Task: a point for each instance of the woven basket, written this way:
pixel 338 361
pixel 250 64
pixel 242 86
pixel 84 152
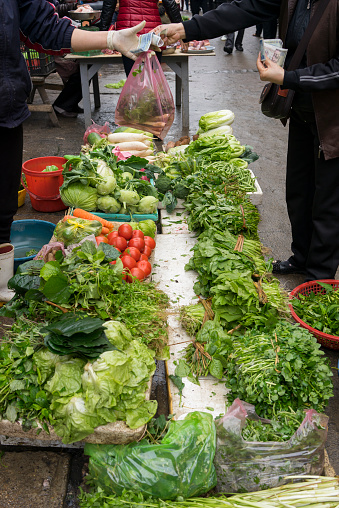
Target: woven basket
pixel 326 340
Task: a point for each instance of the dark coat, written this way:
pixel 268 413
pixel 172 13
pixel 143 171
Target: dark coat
pixel 35 21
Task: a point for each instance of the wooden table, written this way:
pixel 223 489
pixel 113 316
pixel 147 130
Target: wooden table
pixel 177 61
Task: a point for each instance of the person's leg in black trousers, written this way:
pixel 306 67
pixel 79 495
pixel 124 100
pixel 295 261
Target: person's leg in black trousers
pixel 270 29
pixel 71 95
pixel 312 196
pixel 195 7
pixel 238 40
pixel 11 146
pixel 229 43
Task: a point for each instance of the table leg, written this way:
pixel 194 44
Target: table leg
pixel 180 67
pixel 185 108
pixel 85 92
pixel 96 91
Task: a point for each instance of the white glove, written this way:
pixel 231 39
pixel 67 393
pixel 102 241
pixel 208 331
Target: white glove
pixel 125 40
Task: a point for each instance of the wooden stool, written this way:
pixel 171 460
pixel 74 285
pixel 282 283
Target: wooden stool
pixel 40 85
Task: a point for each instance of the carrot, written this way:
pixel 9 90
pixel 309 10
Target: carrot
pixel 105 231
pixel 82 214
pixel 67 217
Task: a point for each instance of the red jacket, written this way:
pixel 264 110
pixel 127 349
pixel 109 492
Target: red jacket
pixel 132 12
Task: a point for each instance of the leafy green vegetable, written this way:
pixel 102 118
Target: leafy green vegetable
pixel 320 310
pixel 48 169
pixel 73 230
pixel 215 119
pixel 78 195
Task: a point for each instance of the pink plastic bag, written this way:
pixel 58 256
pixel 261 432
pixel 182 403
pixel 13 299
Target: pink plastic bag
pixel 247 466
pixel 102 130
pixel 146 102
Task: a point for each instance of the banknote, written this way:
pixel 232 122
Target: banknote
pixel 146 41
pixel 272 49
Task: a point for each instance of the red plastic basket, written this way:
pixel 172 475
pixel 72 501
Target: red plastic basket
pixel 326 340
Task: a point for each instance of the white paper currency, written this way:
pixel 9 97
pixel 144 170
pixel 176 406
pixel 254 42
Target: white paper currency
pixel 272 49
pixel 146 41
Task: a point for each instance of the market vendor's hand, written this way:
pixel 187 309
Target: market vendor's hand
pixel 125 40
pixel 170 33
pixel 270 71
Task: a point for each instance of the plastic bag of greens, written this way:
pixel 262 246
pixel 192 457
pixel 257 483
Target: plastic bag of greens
pixel 146 100
pixel 181 465
pixel 73 229
pixel 247 466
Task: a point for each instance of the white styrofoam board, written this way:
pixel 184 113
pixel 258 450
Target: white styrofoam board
pixel 170 256
pixel 175 222
pixel 255 197
pixel 210 396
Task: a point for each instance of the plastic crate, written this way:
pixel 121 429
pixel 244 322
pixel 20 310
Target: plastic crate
pixel 121 217
pixel 326 340
pixel 38 64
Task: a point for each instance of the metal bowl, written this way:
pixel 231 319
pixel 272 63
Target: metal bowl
pixel 84 16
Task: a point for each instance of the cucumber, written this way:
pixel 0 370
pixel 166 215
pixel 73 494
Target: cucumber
pixel 93 137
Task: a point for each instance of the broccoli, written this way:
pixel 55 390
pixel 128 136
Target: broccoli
pixel 180 191
pixel 163 184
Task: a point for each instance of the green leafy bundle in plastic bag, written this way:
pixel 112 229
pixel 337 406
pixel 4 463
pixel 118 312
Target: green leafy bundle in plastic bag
pixel 181 465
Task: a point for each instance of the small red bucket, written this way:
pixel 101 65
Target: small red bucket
pixel 43 188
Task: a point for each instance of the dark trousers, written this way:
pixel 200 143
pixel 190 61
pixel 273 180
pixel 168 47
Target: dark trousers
pixel 71 95
pixel 269 29
pixel 312 196
pixel 11 146
pixel 197 4
pixel 128 62
pixel 229 43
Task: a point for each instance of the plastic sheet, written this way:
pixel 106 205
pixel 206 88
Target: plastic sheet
pixel 181 465
pixel 244 466
pixel 146 102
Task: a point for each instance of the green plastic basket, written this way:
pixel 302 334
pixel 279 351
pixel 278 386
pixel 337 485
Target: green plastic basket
pixel 121 217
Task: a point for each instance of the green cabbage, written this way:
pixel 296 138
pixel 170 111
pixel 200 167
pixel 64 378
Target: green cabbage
pixel 117 333
pixel 73 419
pixel 148 204
pixel 78 195
pixel 148 227
pixel 215 119
pixel 224 130
pixel 108 204
pixel 67 377
pixel 45 362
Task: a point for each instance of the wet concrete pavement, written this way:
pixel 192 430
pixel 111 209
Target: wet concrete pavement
pixel 220 82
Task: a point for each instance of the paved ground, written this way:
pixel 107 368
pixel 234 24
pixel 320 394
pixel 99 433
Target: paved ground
pixel 37 479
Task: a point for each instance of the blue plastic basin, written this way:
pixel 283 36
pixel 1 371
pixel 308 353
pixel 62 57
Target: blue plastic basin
pixel 29 234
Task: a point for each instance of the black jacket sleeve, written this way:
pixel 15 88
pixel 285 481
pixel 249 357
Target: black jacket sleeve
pixel 108 8
pixel 231 17
pixel 172 10
pixel 321 76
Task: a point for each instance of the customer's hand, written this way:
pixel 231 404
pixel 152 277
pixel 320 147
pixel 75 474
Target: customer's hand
pixel 270 71
pixel 170 33
pixel 125 40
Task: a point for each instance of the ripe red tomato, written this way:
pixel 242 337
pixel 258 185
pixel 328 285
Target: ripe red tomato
pixel 143 257
pixel 145 266
pixel 133 252
pixel 112 235
pixel 101 238
pixel 128 261
pixel 147 250
pixel 149 241
pixel 138 243
pixel 126 231
pixel 119 242
pixel 139 274
pixel 137 233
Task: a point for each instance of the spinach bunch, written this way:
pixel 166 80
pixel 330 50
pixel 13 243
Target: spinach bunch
pixel 279 369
